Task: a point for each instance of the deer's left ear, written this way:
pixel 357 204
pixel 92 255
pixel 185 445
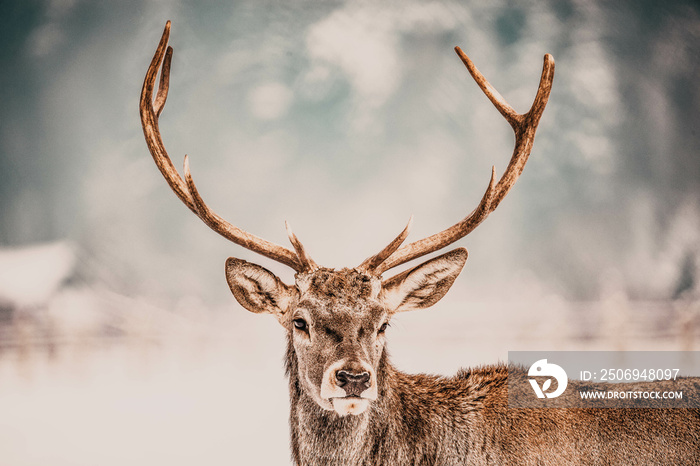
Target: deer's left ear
pixel 257 289
pixel 423 285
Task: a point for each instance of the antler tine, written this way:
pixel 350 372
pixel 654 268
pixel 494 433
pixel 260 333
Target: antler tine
pixel 524 126
pixel 164 83
pixel 307 262
pixel 446 237
pixel 149 118
pixel 242 237
pixel 186 190
pixel 371 263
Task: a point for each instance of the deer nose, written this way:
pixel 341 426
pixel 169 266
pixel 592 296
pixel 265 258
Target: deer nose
pixel 353 384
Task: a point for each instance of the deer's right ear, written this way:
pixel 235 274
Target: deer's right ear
pixel 257 289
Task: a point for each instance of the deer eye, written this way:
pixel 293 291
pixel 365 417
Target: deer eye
pixel 383 328
pixel 300 324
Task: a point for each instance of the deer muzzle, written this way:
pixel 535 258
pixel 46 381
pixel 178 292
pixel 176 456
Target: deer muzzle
pixel 349 386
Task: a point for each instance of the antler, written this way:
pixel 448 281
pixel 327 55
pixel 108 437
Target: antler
pixel 187 192
pixel 524 125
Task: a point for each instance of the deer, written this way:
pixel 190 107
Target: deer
pixel 348 404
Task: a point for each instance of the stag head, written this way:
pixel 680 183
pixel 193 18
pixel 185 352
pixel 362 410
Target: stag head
pixel 336 319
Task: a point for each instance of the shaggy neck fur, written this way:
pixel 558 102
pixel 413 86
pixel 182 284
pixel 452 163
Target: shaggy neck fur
pixel 448 421
pixel 417 419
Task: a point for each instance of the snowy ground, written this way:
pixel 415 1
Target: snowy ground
pixel 208 388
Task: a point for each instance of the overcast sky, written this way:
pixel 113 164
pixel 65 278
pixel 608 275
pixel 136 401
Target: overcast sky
pixel 345 118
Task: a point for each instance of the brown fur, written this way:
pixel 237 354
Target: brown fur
pixel 348 284
pixel 464 420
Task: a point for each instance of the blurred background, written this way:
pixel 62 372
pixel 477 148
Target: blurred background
pixel 119 338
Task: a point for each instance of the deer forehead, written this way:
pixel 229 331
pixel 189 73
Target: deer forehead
pixel 339 294
pixel 349 285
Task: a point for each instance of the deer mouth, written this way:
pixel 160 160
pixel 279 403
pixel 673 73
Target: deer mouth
pixel 350 405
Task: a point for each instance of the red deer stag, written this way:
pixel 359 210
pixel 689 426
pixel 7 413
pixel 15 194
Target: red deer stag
pixel 349 405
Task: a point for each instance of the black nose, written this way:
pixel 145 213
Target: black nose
pixel 353 384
